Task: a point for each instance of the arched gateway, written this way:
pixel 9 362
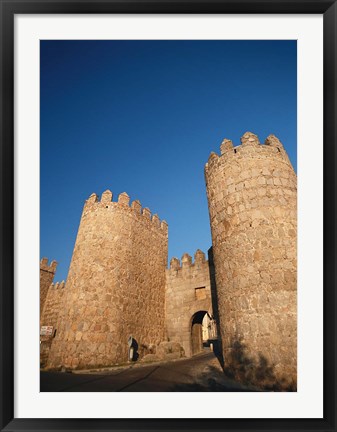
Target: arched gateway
pixel 188 301
pixel 197 332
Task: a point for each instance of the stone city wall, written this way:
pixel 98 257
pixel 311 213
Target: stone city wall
pixel 115 287
pixel 252 197
pixel 188 291
pixel 47 273
pixel 49 317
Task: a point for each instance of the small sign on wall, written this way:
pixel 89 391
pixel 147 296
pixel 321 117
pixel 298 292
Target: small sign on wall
pixel 46 331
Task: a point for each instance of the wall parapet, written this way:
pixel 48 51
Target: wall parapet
pixel 57 285
pixel 186 261
pixel 249 143
pixel 44 265
pixel 123 202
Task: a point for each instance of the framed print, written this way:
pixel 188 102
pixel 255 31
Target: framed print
pixel 168 215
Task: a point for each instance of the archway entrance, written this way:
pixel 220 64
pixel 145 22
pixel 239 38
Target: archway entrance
pixel 196 332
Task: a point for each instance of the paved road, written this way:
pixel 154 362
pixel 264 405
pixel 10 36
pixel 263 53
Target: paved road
pixel 200 373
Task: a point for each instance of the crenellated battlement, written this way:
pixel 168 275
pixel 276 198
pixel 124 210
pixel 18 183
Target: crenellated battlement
pixel 249 143
pixel 124 199
pixel 123 202
pixel 199 257
pixel 51 268
pixel 175 263
pixel 57 285
pixel 186 261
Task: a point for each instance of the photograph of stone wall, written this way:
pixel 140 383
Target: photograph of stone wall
pixel 202 297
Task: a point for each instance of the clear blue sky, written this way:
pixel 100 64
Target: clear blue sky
pixel 143 116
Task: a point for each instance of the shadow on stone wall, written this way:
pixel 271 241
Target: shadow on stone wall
pixel 241 367
pixel 217 350
pixel 214 298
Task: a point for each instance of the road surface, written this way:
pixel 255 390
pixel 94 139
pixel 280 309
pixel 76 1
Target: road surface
pixel 199 373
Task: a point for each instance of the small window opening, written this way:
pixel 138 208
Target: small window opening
pixel 200 293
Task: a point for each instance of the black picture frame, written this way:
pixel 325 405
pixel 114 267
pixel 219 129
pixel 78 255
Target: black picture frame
pixel 8 8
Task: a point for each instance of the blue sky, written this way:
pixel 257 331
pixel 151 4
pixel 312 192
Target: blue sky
pixel 143 116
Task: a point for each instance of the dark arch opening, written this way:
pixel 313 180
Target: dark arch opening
pixel 196 332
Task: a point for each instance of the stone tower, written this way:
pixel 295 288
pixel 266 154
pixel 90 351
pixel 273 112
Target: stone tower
pixel 115 287
pixel 252 197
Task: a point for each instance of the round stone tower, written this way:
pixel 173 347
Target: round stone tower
pixel 252 197
pixel 115 287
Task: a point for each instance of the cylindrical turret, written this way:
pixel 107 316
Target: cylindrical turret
pixel 115 287
pixel 252 197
